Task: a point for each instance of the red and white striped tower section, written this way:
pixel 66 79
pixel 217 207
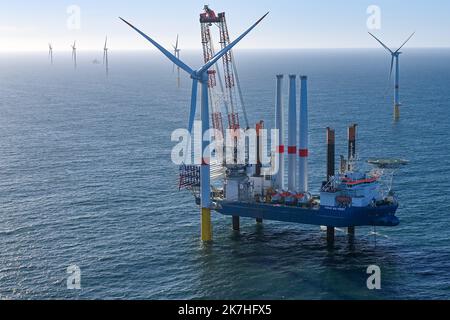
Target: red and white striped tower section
pixel 292 139
pixel 279 121
pixel 351 146
pixel 303 151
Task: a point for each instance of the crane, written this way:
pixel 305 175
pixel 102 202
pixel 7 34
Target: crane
pixel 206 20
pixel 231 92
pixel 224 91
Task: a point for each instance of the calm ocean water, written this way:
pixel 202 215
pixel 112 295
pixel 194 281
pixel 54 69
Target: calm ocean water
pixel 86 179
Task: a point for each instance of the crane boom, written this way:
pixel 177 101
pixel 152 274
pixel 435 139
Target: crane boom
pixel 229 94
pixel 206 19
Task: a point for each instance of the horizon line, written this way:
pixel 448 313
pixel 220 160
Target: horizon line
pixel 199 49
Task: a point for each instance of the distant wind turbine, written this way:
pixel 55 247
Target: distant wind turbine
pixel 50 53
pixel 177 55
pixel 395 58
pixel 74 54
pixel 105 56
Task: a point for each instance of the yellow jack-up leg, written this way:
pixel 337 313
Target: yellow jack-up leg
pixel 396 112
pixel 206 225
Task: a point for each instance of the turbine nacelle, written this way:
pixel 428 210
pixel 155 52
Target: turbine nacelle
pixel 199 76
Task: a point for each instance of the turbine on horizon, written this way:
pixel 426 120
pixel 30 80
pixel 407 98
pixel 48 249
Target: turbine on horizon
pixel 105 56
pixel 50 53
pixel 200 75
pixel 395 57
pixel 177 55
pixel 74 54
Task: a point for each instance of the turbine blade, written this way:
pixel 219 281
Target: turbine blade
pixel 384 46
pixel 176 44
pixel 169 55
pixel 405 42
pixel 221 53
pixel 106 42
pixel 193 105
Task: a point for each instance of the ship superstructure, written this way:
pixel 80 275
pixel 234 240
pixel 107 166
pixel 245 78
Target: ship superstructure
pixel 350 198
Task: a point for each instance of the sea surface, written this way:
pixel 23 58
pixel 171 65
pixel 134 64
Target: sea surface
pixel 86 179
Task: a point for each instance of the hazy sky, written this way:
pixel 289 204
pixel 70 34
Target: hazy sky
pixel 30 25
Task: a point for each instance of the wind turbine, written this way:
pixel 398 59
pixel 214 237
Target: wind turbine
pixel 50 52
pixel 200 75
pixel 395 58
pixel 74 54
pixel 177 55
pixel 105 56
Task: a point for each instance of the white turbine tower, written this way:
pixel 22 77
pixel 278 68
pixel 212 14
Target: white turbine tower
pixel 50 53
pixel 177 55
pixel 395 56
pixel 74 54
pixel 105 56
pixel 200 75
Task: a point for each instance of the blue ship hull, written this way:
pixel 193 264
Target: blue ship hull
pixel 383 216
